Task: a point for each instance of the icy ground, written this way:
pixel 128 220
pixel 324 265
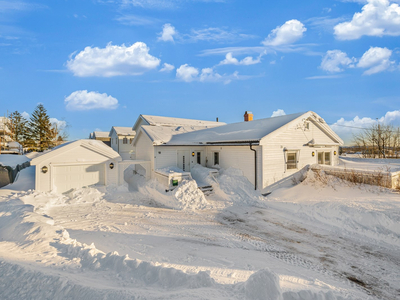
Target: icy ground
pixel 309 241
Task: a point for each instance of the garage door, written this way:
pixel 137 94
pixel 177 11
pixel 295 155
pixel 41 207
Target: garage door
pixel 77 176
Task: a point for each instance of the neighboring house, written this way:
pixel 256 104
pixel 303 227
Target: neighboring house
pixel 266 150
pixel 101 136
pixel 15 148
pixel 121 141
pixel 76 164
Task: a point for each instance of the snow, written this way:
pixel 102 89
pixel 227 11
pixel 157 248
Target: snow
pixel 369 164
pixel 102 134
pixel 315 240
pixel 174 122
pixel 12 160
pixel 124 130
pixel 236 132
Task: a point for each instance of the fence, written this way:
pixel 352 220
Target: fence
pixel 8 174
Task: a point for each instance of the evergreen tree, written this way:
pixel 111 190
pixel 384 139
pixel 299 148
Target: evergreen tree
pixel 18 127
pixel 40 128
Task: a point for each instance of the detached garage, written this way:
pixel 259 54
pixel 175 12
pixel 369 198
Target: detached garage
pixel 75 165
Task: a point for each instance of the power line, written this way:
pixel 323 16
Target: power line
pixel 363 128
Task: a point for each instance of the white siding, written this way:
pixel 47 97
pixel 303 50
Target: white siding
pixel 165 157
pixel 145 150
pixel 75 156
pixel 293 138
pixel 240 157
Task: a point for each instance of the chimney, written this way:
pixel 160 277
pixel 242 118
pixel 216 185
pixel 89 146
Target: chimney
pixel 248 116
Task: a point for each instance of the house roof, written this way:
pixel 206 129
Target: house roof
pixel 122 131
pixel 100 134
pixel 93 145
pixel 162 134
pixel 169 121
pixel 243 132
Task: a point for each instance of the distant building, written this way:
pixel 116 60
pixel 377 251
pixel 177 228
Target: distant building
pixel 101 136
pixel 121 141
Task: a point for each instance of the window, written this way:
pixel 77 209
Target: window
pixel 199 158
pixel 307 126
pixel 324 158
pixel 125 141
pixel 216 158
pixel 291 160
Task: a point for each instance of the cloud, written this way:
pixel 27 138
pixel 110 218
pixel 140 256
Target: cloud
pixel 59 123
pixel 113 61
pixel 214 34
pixel 188 74
pixel 377 18
pixel 167 34
pixel 288 33
pixel 8 6
pixel 25 115
pixel 376 60
pixel 167 68
pixel 334 59
pixel 84 100
pixel 134 20
pixel 347 128
pixel 156 4
pixel 230 60
pixel 277 113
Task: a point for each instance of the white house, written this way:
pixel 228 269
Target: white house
pixel 121 141
pixel 76 164
pixel 101 136
pixel 266 150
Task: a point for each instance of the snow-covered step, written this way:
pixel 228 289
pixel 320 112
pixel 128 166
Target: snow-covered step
pixel 206 189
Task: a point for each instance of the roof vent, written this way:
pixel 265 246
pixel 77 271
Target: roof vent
pixel 248 116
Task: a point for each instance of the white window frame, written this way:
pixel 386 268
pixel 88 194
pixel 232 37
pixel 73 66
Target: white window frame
pixel 297 159
pixel 323 157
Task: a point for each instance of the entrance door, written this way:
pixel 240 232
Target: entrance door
pixel 184 160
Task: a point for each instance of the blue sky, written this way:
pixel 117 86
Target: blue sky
pixel 101 63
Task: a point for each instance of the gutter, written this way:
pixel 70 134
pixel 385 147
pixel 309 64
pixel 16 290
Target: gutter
pixel 255 165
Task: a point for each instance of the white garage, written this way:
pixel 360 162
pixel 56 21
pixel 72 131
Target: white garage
pixel 75 165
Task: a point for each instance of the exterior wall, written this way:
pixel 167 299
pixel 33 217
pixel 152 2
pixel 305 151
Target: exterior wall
pixel 114 143
pixel 117 144
pixel 145 150
pixel 293 138
pixel 75 156
pixel 240 157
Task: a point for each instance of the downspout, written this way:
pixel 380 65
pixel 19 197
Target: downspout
pixel 255 166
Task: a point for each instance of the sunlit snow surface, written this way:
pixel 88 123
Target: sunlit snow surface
pixel 309 241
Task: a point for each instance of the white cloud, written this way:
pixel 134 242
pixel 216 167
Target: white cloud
pixel 133 20
pixel 376 60
pixel 215 34
pixel 187 73
pixel 277 113
pixel 334 59
pixel 167 68
pixel 84 100
pixel 377 18
pixel 346 128
pixel 59 123
pixel 167 34
pixel 113 61
pixel 25 115
pixel 286 34
pixel 230 60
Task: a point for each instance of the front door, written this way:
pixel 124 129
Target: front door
pixel 184 160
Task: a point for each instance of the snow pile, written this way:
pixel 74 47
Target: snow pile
pixel 233 186
pixel 189 195
pixel 263 285
pixel 202 175
pixel 371 212
pixel 186 196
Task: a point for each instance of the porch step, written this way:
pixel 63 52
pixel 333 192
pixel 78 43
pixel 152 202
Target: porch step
pixel 206 189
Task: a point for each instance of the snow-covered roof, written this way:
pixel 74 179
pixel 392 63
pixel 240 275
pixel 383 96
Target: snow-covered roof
pixel 122 131
pixel 236 132
pixel 162 134
pixel 94 145
pixel 244 132
pixel 170 121
pixel 101 134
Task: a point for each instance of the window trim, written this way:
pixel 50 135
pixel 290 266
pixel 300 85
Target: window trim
pixel 216 153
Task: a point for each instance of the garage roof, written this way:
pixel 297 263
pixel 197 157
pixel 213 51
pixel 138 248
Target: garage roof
pixel 93 145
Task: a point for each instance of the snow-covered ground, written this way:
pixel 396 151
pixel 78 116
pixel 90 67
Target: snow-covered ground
pixel 12 160
pixel 309 241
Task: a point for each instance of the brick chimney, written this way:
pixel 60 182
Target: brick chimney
pixel 248 116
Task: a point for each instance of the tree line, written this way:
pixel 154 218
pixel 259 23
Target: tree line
pixel 37 133
pixel 379 141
